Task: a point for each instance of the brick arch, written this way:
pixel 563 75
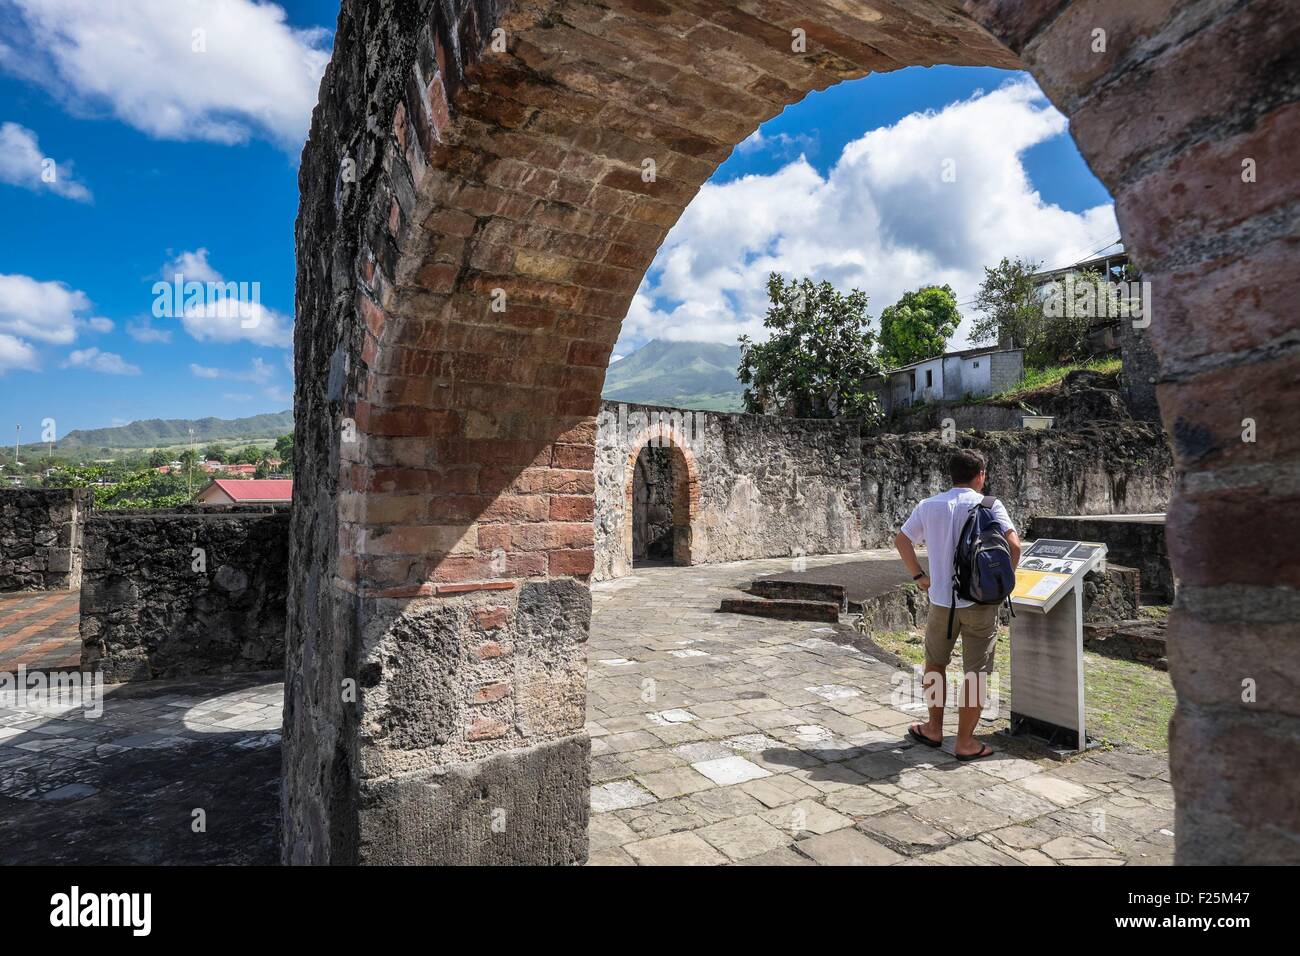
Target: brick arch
pixel 686 487
pixel 473 225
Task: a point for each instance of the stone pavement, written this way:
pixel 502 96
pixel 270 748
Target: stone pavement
pixel 38 629
pixel 716 738
pixel 719 738
pixel 120 783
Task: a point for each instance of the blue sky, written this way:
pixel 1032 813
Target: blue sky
pixel 165 158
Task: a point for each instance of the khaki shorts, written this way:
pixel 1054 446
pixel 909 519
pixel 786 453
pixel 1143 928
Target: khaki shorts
pixel 977 626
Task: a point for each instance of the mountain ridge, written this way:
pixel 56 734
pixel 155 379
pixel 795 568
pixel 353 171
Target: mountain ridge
pixel 678 374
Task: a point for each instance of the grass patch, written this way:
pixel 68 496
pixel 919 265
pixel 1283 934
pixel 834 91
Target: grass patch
pixel 1040 378
pixel 1125 701
pixel 1153 612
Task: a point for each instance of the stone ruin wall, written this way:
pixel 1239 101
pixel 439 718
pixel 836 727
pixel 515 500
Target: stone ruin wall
pixel 768 487
pixel 1112 469
pixel 151 607
pixel 40 538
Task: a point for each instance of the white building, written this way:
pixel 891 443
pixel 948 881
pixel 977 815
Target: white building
pixel 954 377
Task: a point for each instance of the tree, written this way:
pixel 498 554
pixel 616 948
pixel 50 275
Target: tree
pixel 820 351
pixel 918 325
pixel 1010 305
pixel 214 453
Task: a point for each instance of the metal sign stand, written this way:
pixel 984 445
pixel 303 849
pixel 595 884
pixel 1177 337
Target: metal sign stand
pixel 1047 696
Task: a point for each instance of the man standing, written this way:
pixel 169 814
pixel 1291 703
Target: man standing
pixel 937 523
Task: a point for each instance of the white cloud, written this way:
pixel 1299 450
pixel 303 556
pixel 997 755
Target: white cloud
pixel 143 331
pixel 45 311
pixel 229 311
pixel 192 266
pixel 108 363
pixel 277 393
pixel 883 220
pixel 22 163
pixel 258 371
pixel 15 353
pixel 237 396
pixel 782 145
pixel 215 70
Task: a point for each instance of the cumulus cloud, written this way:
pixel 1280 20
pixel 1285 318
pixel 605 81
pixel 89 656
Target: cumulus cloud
pixel 220 71
pixel 884 219
pixel 214 309
pixel 202 371
pixel 23 163
pixel 94 360
pixel 47 312
pixel 15 353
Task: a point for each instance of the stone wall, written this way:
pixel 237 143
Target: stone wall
pixel 153 606
pixel 1135 541
pixel 40 538
pixel 767 487
pixel 1139 372
pixel 1006 369
pixel 1122 468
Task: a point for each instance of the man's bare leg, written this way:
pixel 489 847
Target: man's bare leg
pixel 934 673
pixel 968 717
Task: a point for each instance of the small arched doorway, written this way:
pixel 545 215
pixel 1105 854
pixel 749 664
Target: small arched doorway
pixel 661 501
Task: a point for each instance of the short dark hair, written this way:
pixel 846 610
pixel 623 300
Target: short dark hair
pixel 964 466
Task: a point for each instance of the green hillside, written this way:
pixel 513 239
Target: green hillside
pixel 680 374
pixel 160 433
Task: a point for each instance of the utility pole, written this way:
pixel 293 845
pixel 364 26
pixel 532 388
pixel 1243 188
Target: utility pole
pixel 18 433
pixel 189 469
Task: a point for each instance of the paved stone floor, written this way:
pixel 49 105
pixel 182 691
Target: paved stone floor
pixel 716 739
pixel 722 739
pixel 122 785
pixel 38 629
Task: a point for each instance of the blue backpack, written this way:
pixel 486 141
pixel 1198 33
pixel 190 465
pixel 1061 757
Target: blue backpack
pixel 981 563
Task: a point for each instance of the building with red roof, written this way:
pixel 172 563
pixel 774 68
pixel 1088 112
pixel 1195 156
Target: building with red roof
pixel 236 491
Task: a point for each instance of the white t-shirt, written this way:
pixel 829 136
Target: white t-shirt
pixel 936 522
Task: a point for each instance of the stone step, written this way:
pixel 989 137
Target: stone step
pixel 783 609
pixel 799 591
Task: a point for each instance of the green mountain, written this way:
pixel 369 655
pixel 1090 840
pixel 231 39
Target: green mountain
pixel 159 432
pixel 679 374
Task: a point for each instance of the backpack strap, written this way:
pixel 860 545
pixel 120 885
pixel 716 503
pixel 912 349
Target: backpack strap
pixel 952 611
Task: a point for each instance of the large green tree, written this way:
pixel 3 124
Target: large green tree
pixel 1016 314
pixel 819 352
pixel 918 325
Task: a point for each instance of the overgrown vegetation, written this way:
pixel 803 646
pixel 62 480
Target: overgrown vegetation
pixel 1040 378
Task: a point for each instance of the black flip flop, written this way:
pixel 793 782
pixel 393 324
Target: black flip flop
pixel 921 738
pixel 984 751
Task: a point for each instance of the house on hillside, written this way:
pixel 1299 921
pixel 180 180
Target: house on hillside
pixel 237 491
pixel 972 373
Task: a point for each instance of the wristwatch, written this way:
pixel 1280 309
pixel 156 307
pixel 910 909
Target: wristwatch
pixel 918 576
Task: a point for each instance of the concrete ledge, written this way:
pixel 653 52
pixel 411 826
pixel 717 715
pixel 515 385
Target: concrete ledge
pixel 523 807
